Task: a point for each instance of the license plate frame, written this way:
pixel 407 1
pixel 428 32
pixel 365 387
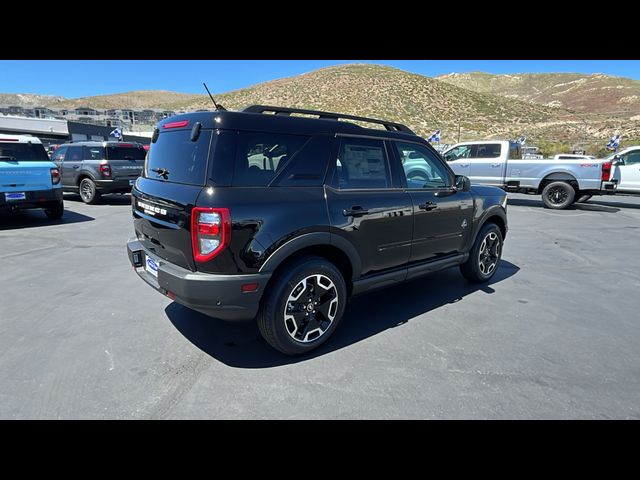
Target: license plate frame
pixel 15 196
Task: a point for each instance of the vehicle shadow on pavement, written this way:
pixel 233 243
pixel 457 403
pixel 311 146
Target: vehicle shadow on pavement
pixel 240 344
pixel 111 199
pixel 594 207
pixel 37 218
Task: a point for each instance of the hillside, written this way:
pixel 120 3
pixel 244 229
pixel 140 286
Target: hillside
pixel 545 107
pixel 28 99
pixel 596 93
pixel 141 99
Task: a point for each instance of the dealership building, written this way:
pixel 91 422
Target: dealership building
pixel 54 131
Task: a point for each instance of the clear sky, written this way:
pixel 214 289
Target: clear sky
pixel 79 78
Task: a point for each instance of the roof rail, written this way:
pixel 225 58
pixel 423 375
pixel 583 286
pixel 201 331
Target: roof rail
pixel 391 126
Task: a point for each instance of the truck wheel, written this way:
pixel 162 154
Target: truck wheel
pixel 55 212
pixel 583 199
pixel 303 306
pixel 88 192
pixel 558 195
pixel 484 256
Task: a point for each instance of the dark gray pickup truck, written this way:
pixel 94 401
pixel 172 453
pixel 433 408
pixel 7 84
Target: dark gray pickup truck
pixel 95 168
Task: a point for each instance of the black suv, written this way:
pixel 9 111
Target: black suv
pixel 272 213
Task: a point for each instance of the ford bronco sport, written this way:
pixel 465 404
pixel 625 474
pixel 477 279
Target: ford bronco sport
pixel 281 214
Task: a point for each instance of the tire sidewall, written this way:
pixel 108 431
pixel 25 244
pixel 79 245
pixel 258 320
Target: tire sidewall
pixel 473 267
pixel 275 305
pixel 571 193
pixel 93 188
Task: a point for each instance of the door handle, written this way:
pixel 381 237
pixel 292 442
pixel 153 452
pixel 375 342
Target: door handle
pixel 428 206
pixel 464 164
pixel 75 167
pixel 355 211
pixel 496 164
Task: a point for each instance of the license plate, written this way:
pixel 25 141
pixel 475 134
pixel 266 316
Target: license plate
pixel 14 196
pixel 131 183
pixel 151 266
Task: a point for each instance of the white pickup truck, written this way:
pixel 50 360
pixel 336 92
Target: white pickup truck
pixel 561 182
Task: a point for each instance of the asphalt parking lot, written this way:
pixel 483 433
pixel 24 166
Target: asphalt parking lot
pixel 556 334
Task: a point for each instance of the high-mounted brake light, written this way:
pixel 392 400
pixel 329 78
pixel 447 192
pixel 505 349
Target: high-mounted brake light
pixel 180 124
pixel 210 232
pixel 105 170
pixel 8 139
pixel 55 176
pixel 129 145
pixel 606 171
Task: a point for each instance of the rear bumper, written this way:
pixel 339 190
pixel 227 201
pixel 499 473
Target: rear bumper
pixel 214 295
pixel 33 199
pixel 114 186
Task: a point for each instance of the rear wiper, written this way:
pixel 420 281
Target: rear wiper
pixel 8 158
pixel 163 172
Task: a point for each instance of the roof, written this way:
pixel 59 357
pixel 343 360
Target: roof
pixel 19 138
pixel 233 120
pixel 103 143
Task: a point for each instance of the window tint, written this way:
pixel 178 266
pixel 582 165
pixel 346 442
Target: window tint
pixel 491 150
pixel 310 164
pixel 262 155
pixel 421 167
pixel 463 151
pixel 94 153
pixel 125 153
pixel 632 157
pixel 23 152
pixel 58 155
pixel 74 154
pixel 361 163
pixel 180 159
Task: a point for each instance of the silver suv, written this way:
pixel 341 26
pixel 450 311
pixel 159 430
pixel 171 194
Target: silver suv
pixel 95 168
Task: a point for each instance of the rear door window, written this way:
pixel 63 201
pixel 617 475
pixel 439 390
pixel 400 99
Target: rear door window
pixel 94 153
pixel 260 156
pixel 175 158
pixel 491 150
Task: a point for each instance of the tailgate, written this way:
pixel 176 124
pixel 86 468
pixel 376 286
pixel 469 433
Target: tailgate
pixel 126 160
pixel 161 218
pixel 19 176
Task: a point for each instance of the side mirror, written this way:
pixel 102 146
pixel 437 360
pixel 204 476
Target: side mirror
pixel 463 183
pixel 618 160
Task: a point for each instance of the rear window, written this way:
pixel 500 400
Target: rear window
pixel 125 153
pixel 23 152
pixel 175 158
pixel 260 156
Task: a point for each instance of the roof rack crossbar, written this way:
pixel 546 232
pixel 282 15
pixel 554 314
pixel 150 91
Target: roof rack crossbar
pixel 391 126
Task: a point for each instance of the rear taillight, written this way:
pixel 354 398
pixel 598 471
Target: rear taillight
pixel 105 170
pixel 210 232
pixel 606 171
pixel 55 176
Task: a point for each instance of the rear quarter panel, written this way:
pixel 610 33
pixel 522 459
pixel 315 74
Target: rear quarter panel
pixel 531 172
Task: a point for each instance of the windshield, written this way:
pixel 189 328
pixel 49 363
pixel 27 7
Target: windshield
pixel 125 153
pixel 23 152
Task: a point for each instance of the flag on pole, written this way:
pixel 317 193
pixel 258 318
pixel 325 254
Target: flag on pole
pixel 116 132
pixel 522 140
pixel 435 137
pixel 614 142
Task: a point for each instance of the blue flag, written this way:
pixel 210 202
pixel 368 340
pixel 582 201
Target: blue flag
pixel 435 137
pixel 522 140
pixel 116 133
pixel 614 142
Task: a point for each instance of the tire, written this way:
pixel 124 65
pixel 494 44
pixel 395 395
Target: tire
pixel 55 212
pixel 484 257
pixel 294 326
pixel 583 199
pixel 558 195
pixel 88 192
